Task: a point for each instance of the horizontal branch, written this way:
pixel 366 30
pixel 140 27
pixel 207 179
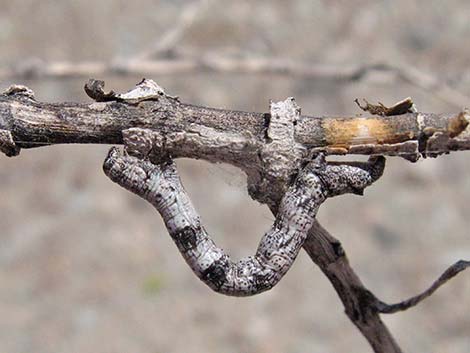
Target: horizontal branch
pixel 408 135
pixel 270 147
pixel 37 68
pixel 180 62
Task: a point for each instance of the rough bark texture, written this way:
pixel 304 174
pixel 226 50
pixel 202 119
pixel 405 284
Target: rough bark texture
pixel 359 303
pixel 270 147
pixel 27 120
pixel 243 139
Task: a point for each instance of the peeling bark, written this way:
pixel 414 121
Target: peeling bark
pixel 33 123
pixel 272 148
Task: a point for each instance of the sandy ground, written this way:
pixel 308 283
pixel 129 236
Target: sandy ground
pixel 87 267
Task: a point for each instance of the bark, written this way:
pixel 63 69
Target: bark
pixel 33 123
pixel 358 301
pixel 270 147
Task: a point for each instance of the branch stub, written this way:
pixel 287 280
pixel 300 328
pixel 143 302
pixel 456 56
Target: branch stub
pixel 19 90
pixel 7 144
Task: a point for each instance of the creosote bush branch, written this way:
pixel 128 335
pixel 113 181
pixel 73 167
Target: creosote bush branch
pixel 274 149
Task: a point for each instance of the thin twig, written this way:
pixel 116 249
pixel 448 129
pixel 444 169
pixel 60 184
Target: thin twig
pixel 170 39
pixel 213 62
pixel 451 272
pixel 270 150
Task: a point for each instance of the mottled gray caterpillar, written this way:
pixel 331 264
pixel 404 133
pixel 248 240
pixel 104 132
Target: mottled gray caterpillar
pixel 159 184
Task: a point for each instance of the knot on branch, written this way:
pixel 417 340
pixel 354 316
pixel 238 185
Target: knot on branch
pixel 7 144
pixel 145 90
pixel 280 155
pixel 433 141
pixel 145 144
pixel 19 91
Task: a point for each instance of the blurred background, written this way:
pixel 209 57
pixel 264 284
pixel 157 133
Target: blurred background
pixel 87 267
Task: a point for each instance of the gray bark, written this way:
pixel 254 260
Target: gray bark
pixel 270 147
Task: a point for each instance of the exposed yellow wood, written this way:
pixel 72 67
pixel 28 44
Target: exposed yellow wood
pixel 360 131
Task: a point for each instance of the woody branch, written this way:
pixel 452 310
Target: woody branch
pixel 269 147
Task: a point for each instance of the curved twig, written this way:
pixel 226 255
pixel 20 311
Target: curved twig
pixel 451 272
pixel 269 147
